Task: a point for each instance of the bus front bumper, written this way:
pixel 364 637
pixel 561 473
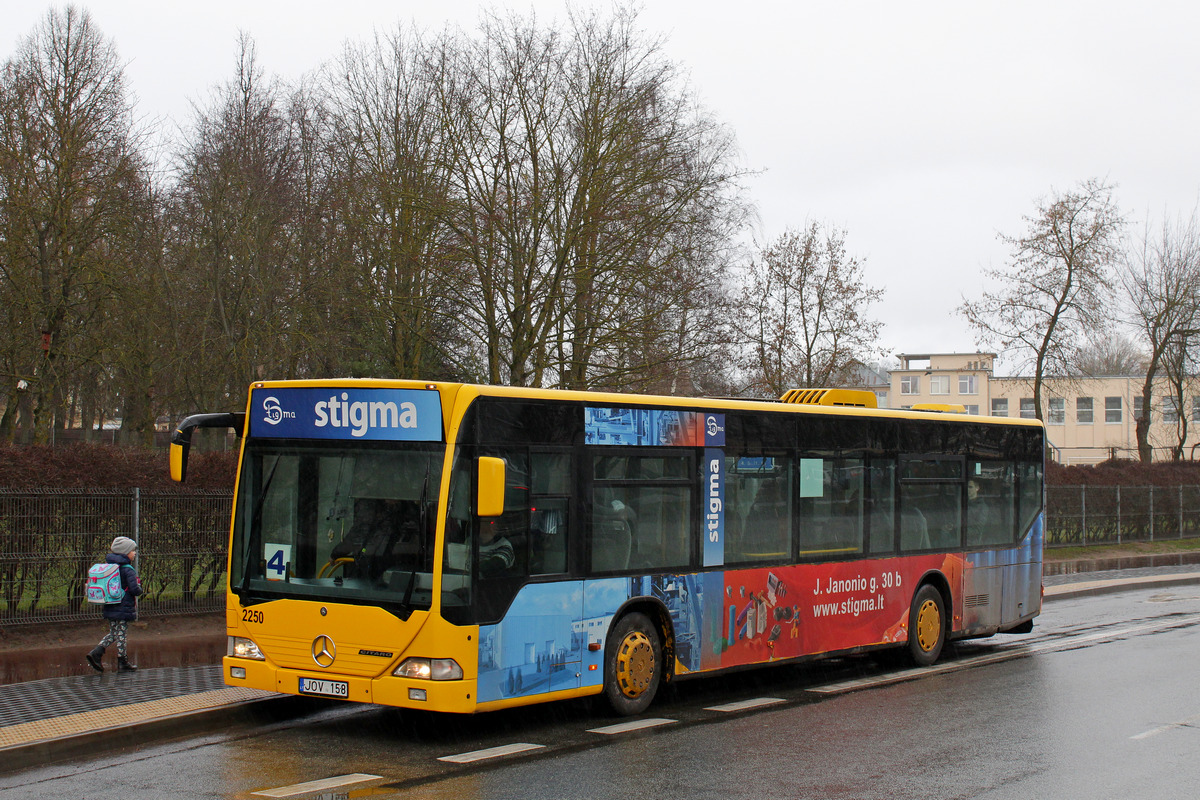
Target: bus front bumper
pixel 456 696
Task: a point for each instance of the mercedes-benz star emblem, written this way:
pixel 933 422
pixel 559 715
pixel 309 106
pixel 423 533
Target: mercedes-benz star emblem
pixel 324 651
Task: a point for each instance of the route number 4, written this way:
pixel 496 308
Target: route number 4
pixel 278 558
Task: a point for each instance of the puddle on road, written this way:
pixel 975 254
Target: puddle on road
pixel 1127 562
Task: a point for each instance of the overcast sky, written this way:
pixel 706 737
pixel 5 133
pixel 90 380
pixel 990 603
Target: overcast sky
pixel 921 129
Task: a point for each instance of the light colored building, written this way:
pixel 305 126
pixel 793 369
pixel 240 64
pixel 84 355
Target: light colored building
pixel 1088 420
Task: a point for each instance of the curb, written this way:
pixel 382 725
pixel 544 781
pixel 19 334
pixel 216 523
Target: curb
pixel 1066 591
pixel 152 730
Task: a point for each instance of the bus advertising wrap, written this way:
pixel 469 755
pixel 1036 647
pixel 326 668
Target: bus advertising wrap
pixel 655 427
pixel 721 619
pixel 410 415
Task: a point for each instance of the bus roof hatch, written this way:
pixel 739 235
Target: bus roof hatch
pixel 859 398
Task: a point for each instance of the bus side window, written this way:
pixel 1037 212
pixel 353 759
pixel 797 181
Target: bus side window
pixel 768 528
pixel 642 512
pixel 914 525
pixel 550 490
pixel 931 502
pixel 990 504
pixel 1029 495
pixel 612 532
pixel 881 479
pixel 502 543
pixel 831 507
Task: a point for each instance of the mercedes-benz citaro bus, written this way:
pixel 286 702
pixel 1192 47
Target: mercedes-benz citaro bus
pixel 466 548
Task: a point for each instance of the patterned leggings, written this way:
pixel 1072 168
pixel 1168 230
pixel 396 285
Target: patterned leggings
pixel 116 633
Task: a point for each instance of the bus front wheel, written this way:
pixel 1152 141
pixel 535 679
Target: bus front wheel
pixel 632 664
pixel 926 625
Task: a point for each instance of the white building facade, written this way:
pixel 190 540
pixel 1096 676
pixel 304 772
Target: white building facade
pixel 1088 419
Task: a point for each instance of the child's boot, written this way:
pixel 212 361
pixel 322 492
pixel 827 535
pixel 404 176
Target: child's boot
pixel 123 665
pixel 95 658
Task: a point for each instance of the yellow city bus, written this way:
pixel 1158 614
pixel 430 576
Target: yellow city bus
pixel 465 548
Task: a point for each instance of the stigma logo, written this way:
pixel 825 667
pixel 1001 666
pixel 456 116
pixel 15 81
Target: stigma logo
pixel 713 427
pixel 361 416
pixel 275 412
pixel 714 519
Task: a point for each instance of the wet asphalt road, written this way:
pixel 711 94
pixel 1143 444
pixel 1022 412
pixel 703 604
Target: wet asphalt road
pixel 1101 701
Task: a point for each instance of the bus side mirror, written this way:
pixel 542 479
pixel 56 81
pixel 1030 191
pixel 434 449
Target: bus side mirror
pixel 181 439
pixel 490 500
pixel 179 455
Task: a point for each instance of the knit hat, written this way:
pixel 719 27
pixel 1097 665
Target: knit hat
pixel 123 545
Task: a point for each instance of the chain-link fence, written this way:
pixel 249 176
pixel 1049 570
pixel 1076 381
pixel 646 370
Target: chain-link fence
pixel 49 538
pixel 1091 515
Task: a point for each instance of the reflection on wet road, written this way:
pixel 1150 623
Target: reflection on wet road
pixel 1101 701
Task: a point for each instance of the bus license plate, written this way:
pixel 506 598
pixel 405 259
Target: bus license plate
pixel 324 687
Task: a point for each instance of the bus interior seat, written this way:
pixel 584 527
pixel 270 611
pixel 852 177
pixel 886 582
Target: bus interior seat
pixel 548 549
pixel 769 521
pixel 914 530
pixel 612 541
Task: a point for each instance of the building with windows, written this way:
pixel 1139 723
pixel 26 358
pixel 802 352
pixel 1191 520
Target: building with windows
pixel 1088 419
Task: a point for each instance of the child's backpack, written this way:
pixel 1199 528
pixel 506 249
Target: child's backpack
pixel 104 584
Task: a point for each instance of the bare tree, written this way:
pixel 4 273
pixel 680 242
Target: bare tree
pixel 653 203
pixel 805 314
pixel 391 147
pixel 1057 284
pixel 69 168
pixel 1109 353
pixel 1162 282
pixel 1179 368
pixel 232 221
pixel 583 176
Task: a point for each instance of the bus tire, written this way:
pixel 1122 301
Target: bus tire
pixel 926 626
pixel 632 664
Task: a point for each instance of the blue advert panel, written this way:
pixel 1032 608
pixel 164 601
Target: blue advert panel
pixel 714 506
pixel 409 415
pixel 653 426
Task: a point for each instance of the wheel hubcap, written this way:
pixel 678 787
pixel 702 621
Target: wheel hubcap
pixel 635 664
pixel 929 625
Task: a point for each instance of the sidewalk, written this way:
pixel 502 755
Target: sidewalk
pixel 62 717
pixel 58 718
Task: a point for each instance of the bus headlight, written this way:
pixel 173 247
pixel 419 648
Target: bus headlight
pixel 244 648
pixel 429 669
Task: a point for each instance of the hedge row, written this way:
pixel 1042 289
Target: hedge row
pixel 99 466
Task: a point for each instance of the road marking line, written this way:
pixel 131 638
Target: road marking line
pixel 757 702
pixel 626 727
pixel 316 786
pixel 1007 654
pixel 1004 654
pixel 491 752
pixel 1164 728
pixel 1113 634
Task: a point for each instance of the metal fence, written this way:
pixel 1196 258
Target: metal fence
pixel 1097 515
pixel 49 538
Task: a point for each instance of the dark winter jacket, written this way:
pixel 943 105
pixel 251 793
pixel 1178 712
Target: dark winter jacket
pixel 127 608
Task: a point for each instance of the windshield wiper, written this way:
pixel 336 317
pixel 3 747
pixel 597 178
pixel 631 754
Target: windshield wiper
pixel 254 523
pixel 423 517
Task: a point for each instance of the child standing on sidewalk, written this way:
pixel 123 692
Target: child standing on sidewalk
pixel 119 615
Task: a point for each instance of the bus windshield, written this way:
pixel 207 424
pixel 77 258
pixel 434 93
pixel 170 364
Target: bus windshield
pixel 344 524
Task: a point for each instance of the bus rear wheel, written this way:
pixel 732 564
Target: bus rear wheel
pixel 926 626
pixel 632 664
